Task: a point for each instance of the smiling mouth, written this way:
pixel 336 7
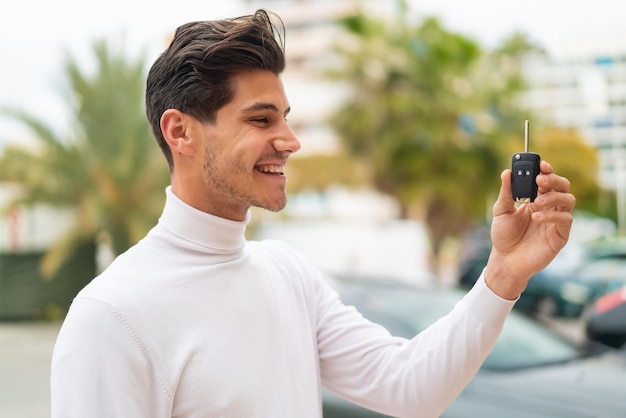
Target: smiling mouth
pixel 274 169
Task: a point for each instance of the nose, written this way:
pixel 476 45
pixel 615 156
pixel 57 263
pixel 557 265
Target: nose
pixel 287 141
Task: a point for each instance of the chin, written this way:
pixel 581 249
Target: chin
pixel 275 206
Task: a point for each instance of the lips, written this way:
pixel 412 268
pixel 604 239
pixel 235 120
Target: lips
pixel 277 169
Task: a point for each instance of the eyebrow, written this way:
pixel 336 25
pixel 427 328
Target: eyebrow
pixel 263 106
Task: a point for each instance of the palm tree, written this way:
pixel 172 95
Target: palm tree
pixel 108 169
pixel 424 115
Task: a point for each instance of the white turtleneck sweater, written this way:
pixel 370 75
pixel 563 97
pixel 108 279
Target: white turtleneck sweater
pixel 196 322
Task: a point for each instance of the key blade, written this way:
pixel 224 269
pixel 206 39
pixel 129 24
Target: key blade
pixel 526 145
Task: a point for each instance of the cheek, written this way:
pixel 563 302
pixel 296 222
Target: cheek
pixel 234 156
pixel 223 168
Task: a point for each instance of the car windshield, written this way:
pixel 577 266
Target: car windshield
pixel 406 311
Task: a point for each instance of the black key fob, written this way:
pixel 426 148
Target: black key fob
pixel 525 168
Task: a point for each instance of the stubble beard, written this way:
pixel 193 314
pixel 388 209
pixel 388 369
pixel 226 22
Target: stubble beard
pixel 228 191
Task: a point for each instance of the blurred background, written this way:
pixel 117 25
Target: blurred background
pixel 407 112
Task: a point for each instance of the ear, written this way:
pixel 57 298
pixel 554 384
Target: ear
pixel 174 125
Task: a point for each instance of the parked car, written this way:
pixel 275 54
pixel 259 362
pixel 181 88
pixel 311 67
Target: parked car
pixel 606 321
pixel 558 291
pixel 531 372
pixel 570 284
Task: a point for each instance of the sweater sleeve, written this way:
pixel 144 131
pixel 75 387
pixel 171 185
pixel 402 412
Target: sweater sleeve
pixel 363 363
pixel 100 368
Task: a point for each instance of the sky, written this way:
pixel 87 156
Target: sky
pixel 35 35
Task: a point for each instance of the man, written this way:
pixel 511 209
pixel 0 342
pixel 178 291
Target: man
pixel 195 321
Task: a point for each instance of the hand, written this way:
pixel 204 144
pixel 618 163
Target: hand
pixel 527 237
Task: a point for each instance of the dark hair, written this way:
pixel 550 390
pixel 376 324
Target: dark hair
pixel 193 74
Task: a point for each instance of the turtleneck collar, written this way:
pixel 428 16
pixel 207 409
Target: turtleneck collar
pixel 215 234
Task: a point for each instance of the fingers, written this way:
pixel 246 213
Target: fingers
pixel 554 203
pixel 554 207
pixel 561 200
pixel 549 181
pixel 552 182
pixel 545 167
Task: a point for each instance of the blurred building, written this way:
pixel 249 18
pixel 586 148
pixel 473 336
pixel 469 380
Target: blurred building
pixel 585 91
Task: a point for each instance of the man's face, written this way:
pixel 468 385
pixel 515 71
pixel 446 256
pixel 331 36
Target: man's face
pixel 246 149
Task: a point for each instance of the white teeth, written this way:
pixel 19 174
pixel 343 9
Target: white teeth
pixel 271 169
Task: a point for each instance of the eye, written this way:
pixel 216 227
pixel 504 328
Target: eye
pixel 260 120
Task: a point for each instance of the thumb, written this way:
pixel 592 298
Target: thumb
pixel 505 203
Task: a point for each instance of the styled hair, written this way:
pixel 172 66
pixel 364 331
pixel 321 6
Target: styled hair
pixel 193 75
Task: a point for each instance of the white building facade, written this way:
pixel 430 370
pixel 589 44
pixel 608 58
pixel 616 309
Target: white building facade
pixel 586 93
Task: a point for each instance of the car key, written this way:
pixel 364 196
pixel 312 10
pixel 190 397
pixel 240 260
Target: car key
pixel 525 168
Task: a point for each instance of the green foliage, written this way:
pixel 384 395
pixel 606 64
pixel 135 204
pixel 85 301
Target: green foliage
pixel 565 149
pixel 108 168
pixel 431 114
